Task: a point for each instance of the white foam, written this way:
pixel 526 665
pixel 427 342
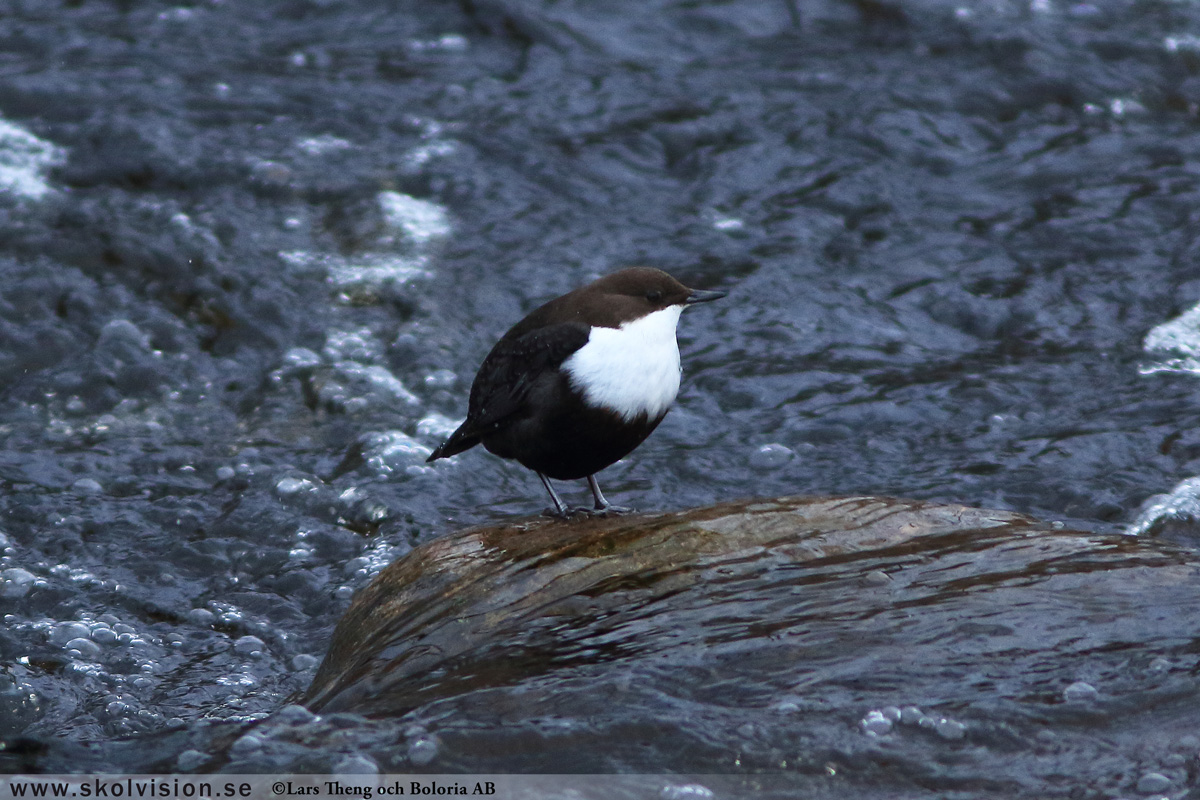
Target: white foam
pixel 359 344
pixel 1187 42
pixel 392 451
pixel 452 42
pixel 325 143
pixel 436 425
pixel 1182 502
pixel 420 156
pixel 421 220
pixel 376 272
pixel 1175 345
pixel 379 379
pixel 360 279
pixel 24 158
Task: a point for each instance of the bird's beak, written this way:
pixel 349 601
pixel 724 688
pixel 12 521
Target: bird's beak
pixel 703 296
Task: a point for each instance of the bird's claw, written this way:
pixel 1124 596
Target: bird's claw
pixel 584 512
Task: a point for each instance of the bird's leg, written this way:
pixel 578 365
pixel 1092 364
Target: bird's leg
pixel 560 508
pixel 602 505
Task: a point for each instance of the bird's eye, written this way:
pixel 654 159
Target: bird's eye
pixel 654 295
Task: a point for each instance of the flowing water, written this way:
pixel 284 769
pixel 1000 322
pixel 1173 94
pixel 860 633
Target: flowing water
pixel 252 253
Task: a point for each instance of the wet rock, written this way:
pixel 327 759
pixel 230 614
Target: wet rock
pixel 466 604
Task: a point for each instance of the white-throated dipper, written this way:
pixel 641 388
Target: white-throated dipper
pixel 582 380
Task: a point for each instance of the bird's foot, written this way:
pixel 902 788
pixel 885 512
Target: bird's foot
pixel 611 511
pixel 584 512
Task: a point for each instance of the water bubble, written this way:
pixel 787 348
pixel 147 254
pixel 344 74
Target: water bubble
pixel 117 708
pixel 87 486
pixel 83 648
pixel 245 746
pixel 16 582
pixel 289 487
pixel 66 631
pixel 300 359
pixel 355 345
pixel 356 764
pixel 388 451
pixel 304 661
pixel 201 616
pixel 440 379
pixel 225 473
pixel 876 724
pixel 687 791
pixel 1153 783
pixel 1187 42
pixel 190 760
pixel 950 730
pixel 325 143
pixel 771 456
pixel 422 750
pixel 355 564
pixel 104 635
pixel 877 577
pixel 379 380
pixel 294 715
pixel 911 715
pixel 179 14
pixel 250 646
pixel 232 618
pixel 1080 692
pixel 450 41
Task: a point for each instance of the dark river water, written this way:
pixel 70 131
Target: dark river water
pixel 251 254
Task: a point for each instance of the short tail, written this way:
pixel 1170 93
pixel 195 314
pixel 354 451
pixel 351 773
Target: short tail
pixel 459 441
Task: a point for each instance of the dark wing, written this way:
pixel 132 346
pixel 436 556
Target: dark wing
pixel 503 383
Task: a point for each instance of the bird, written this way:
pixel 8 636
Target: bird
pixel 581 381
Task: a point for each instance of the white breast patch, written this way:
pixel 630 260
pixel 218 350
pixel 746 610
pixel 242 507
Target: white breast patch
pixel 630 370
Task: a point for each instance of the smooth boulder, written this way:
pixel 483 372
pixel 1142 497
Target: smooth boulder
pixel 493 606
